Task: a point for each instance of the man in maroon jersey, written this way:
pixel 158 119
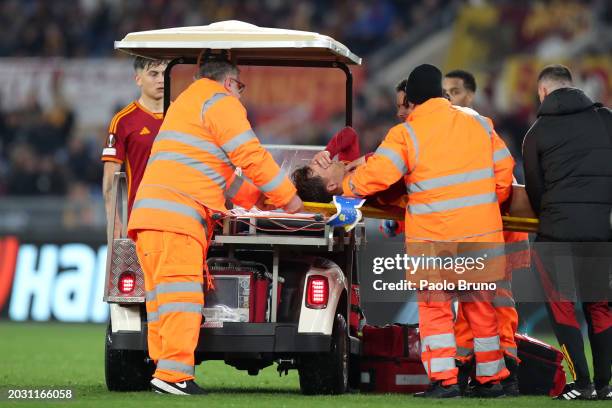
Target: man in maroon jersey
pixel 132 131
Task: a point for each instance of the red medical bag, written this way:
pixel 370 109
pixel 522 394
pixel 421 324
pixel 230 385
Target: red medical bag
pixel 391 360
pixel 541 369
pixel 392 340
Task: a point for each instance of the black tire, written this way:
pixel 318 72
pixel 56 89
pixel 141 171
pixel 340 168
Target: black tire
pixel 354 380
pixel 327 373
pixel 126 370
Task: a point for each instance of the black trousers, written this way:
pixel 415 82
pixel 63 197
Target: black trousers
pixel 586 272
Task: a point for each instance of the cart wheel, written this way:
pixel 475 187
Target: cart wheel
pixel 126 370
pixel 327 373
pixel 354 379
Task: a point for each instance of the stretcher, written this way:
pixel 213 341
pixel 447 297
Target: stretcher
pixel 511 223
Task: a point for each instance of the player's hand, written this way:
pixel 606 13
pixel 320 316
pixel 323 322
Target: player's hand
pixel 323 159
pixel 356 163
pixel 295 205
pixel 263 205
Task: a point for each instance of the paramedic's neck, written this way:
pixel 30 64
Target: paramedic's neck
pixel 154 105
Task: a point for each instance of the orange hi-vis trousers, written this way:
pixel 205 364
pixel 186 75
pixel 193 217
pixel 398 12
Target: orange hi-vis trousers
pixel 517 258
pixel 173 266
pixel 439 348
pixel 507 322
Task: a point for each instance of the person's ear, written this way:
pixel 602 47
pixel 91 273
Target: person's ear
pixel 138 78
pixel 227 83
pixel 471 96
pixel 331 186
pixel 542 92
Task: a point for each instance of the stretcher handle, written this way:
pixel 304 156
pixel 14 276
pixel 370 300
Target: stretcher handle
pixel 519 224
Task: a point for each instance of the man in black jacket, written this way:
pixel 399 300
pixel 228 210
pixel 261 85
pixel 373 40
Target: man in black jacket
pixel 568 177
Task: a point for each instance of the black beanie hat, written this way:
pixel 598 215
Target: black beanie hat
pixel 424 82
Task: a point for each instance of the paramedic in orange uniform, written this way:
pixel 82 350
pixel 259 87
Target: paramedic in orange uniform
pixel 460 88
pixel 191 173
pixel 454 191
pixel 132 131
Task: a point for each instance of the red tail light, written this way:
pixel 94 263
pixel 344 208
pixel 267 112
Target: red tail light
pixel 317 292
pixel 127 282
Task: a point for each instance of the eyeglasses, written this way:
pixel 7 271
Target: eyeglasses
pixel 239 84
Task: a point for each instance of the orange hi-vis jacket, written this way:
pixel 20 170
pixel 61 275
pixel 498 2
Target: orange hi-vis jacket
pixel 457 170
pixel 204 137
pixel 454 189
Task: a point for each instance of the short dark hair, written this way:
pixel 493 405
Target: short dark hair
pixel 556 73
pixel 217 70
pixel 310 187
pixel 401 86
pixel 144 63
pixel 469 82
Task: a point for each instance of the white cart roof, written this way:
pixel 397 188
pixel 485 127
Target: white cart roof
pixel 243 39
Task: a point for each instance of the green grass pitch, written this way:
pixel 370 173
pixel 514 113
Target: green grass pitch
pixel 54 355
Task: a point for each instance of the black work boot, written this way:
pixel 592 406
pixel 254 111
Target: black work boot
pixel 604 393
pixel 488 390
pixel 510 384
pixel 463 378
pixel 437 390
pixel 188 387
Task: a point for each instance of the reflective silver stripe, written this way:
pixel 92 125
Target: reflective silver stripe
pixel 503 301
pixel 174 287
pixel 489 369
pixel 501 154
pixel 454 203
pixel 438 341
pixel 274 183
pixel 211 101
pixel 483 122
pixel 238 141
pixel 175 366
pixel 395 158
pixel 450 180
pixel 152 317
pixel 179 307
pixel 486 343
pixel 464 352
pixel 171 206
pixel 490 253
pixel 196 142
pixel 190 162
pixel 518 246
pixel 440 364
pixel 234 187
pixel 511 350
pixel 415 144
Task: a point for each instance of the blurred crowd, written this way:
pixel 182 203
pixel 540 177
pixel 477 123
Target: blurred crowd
pixel 87 28
pixel 43 153
pixel 40 152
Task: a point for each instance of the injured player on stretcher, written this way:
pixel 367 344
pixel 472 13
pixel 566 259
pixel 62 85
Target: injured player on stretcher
pixel 322 178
